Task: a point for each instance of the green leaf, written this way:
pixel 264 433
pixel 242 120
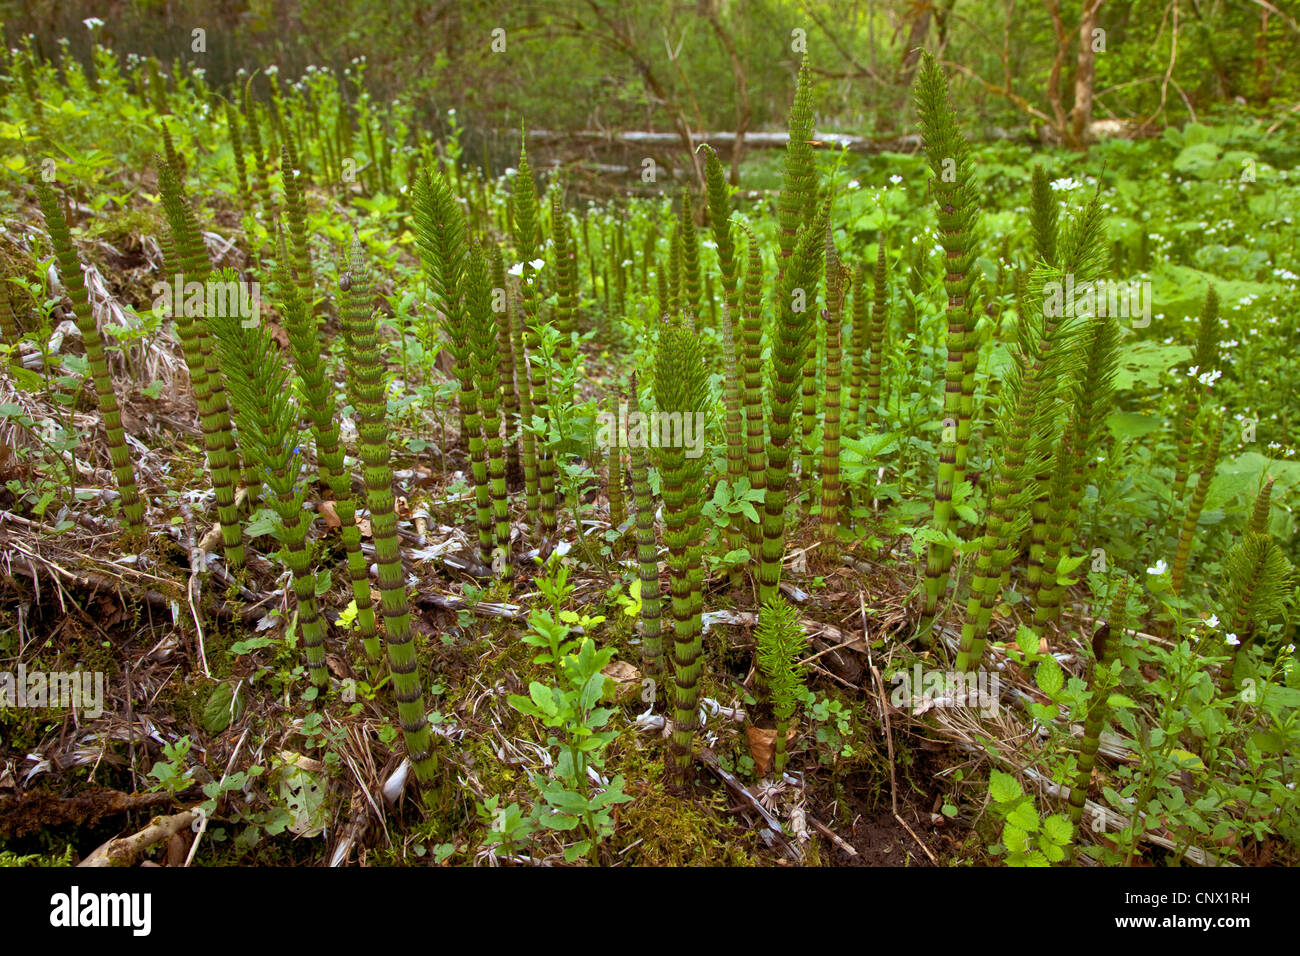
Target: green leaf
pixel 1026 640
pixel 1058 829
pixel 1049 677
pixel 222 708
pixel 1003 787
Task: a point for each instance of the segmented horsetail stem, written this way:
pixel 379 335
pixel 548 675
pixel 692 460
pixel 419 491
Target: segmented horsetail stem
pixel 948 154
pixel 876 340
pixel 736 466
pixel 1196 503
pixel 366 375
pixel 501 307
pixel 1205 361
pixel 267 412
pixel 647 554
pixel 751 326
pixel 681 388
pixel 791 331
pixel 74 283
pixel 837 282
pixel 858 345
pixel 191 264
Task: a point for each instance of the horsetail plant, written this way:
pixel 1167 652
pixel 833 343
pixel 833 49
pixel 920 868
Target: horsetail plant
pixel 647 555
pixel 948 154
pixel 1093 396
pixel 267 414
pixel 859 343
pixel 1044 212
pixel 1205 359
pixel 191 264
pixel 780 639
pixel 322 413
pixel 505 349
pixel 1196 503
pixel 69 266
pixel 370 398
pixel 540 492
pixel 1257 580
pixel 486 457
pixel 876 339
pixel 1024 430
pixel 837 281
pixel 791 331
pixel 440 235
pixel 690 245
pixel 681 388
pixel 752 346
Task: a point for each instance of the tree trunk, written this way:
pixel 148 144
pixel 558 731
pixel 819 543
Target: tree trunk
pixel 1085 69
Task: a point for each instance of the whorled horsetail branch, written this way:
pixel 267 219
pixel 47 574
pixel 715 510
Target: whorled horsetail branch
pixel 1025 428
pixel 647 555
pixel 837 287
pixel 780 640
pixel 681 385
pixel 793 327
pixel 268 414
pixel 1093 398
pixel 1196 503
pixel 190 262
pixel 751 326
pixel 948 154
pixel 486 455
pixel 1257 578
pixel 74 283
pixel 1205 361
pixel 540 491
pixel 734 426
pixel 369 396
pixel 322 413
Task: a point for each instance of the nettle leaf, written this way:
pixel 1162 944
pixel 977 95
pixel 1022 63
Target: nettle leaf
pixel 1026 640
pixel 1049 677
pixel 1003 787
pixel 1024 817
pixel 1058 829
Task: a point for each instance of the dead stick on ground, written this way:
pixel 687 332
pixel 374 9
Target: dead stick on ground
pixel 125 851
pixel 889 731
pixel 831 835
pixel 193 586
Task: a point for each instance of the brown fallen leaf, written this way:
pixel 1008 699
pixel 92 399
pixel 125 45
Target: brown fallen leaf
pixel 328 511
pixel 762 745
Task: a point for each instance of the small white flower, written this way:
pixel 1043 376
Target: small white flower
pixel 1233 639
pixel 537 263
pixel 1193 370
pixel 1160 567
pixel 92 22
pixel 895 179
pixel 1212 621
pixel 853 184
pixel 517 269
pixel 1065 185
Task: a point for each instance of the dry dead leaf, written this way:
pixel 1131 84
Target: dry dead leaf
pixel 762 745
pixel 329 512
